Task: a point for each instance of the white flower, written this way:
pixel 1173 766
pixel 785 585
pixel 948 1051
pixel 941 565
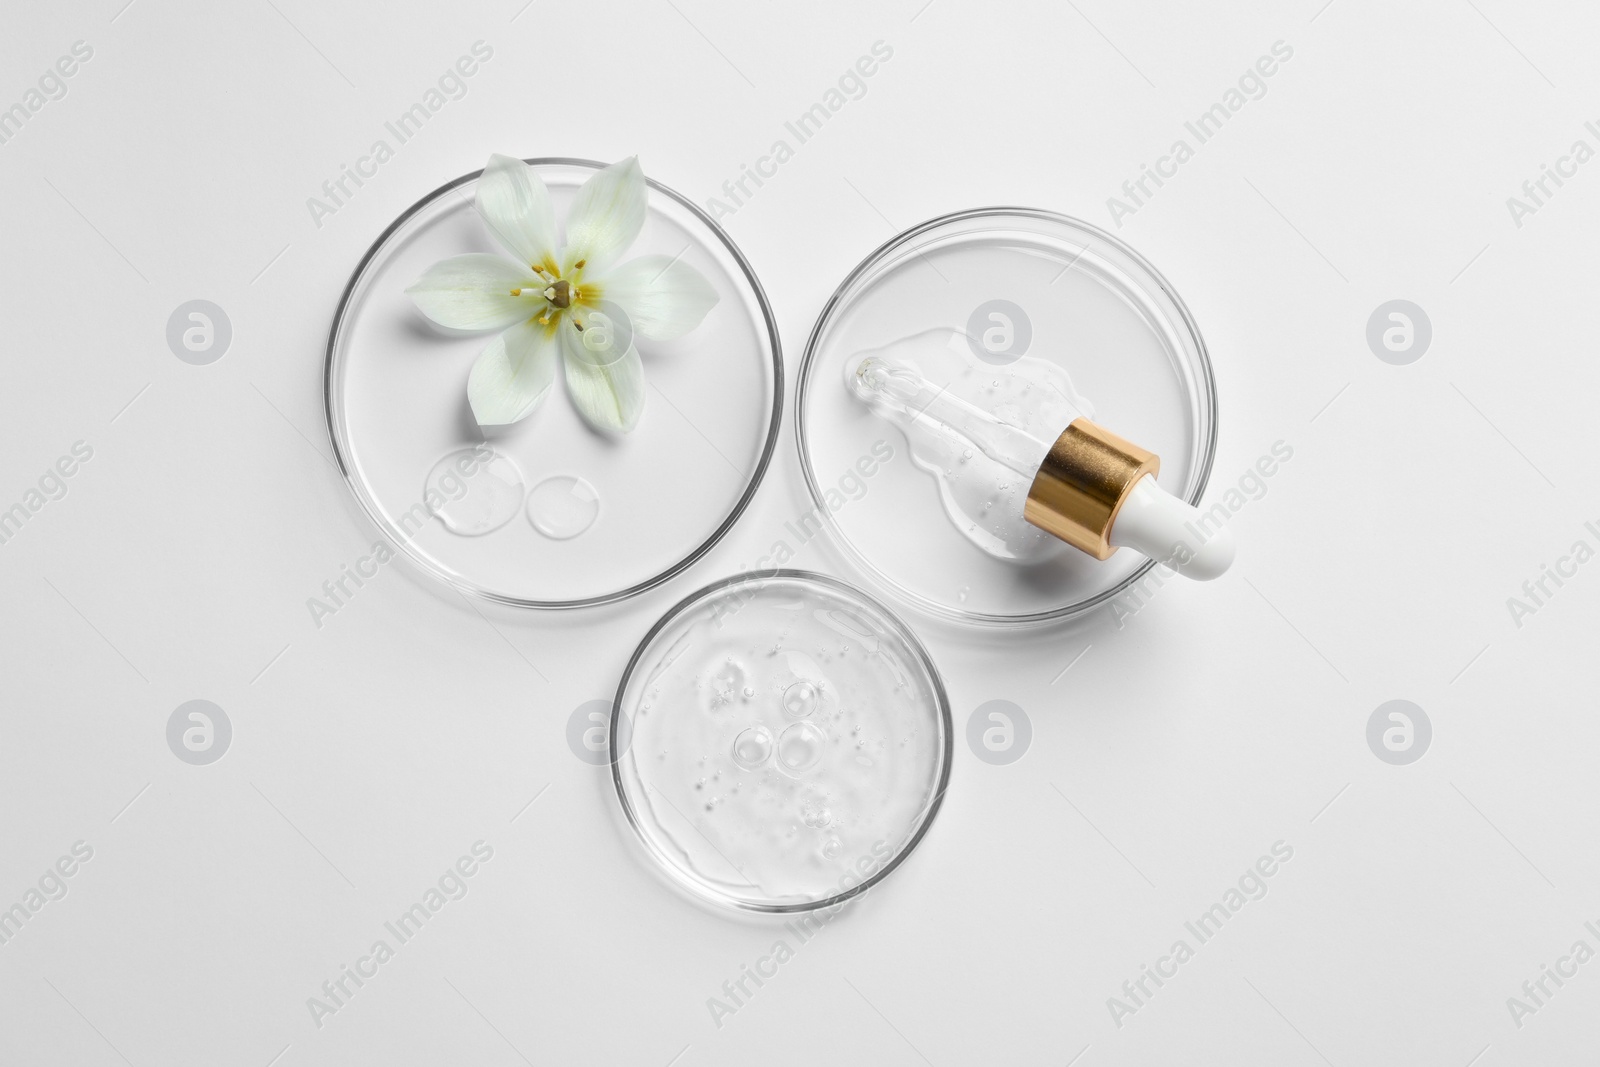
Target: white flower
pixel 573 297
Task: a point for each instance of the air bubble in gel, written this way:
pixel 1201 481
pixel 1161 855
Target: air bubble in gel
pixel 800 699
pixel 753 747
pixel 800 747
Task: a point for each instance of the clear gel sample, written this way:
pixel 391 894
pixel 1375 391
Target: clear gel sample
pixel 482 490
pixel 789 740
pixel 563 506
pixel 980 430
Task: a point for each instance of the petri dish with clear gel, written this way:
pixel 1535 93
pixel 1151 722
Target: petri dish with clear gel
pixel 780 742
pixel 1026 313
pixel 548 513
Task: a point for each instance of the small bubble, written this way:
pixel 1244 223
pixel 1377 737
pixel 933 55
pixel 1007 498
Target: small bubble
pixel 752 747
pixel 831 847
pixel 815 815
pixel 800 747
pixel 800 699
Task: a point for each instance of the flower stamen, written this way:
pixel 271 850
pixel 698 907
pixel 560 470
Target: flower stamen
pixel 560 293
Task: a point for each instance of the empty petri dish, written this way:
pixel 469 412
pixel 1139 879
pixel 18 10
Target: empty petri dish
pixel 546 512
pixel 787 742
pixel 1000 308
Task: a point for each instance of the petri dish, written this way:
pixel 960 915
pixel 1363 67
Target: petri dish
pixel 780 742
pixel 987 293
pixel 548 513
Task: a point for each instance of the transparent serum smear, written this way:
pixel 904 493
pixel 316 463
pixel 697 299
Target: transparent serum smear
pixel 783 753
pixel 563 506
pixel 1032 399
pixel 481 490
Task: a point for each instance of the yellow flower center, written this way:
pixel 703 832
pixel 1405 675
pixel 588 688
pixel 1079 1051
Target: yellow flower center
pixel 560 294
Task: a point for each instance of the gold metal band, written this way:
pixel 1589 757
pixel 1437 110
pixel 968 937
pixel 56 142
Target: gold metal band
pixel 1082 483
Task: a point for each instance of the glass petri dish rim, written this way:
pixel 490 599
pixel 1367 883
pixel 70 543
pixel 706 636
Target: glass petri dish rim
pixel 906 634
pixel 369 506
pixel 1207 401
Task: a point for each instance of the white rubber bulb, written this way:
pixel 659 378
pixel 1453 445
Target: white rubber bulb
pixel 1157 524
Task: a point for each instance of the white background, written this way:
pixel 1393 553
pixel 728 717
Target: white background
pixel 369 754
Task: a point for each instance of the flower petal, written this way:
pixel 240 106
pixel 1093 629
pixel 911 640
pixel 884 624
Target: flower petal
pixel 664 296
pixel 606 215
pixel 515 205
pixel 604 375
pixel 473 292
pixel 512 375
